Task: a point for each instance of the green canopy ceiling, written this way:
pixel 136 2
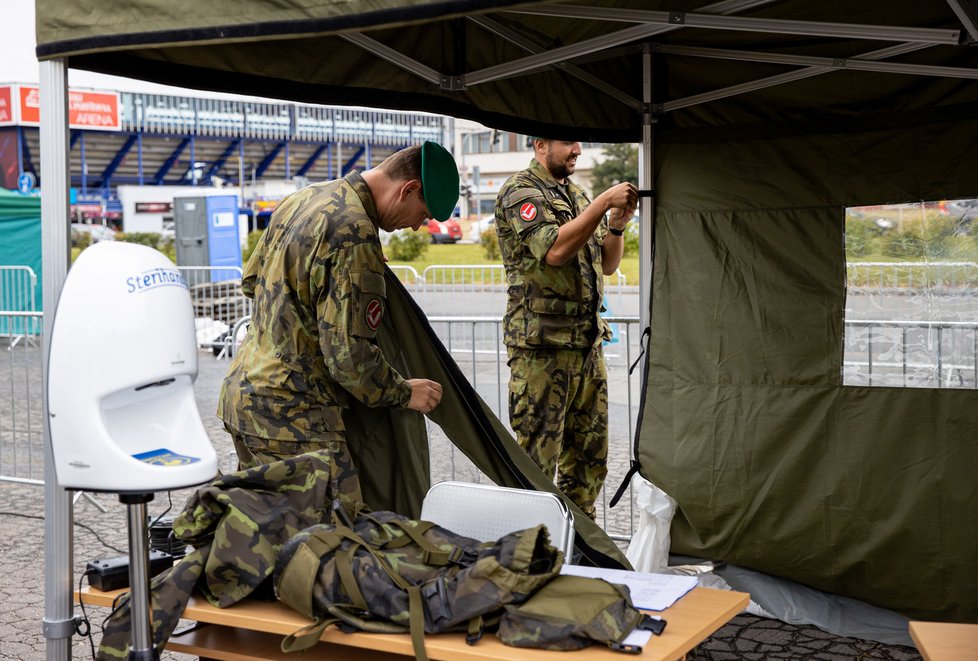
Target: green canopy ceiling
pixel 570 68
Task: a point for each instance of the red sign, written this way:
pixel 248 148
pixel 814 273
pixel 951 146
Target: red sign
pixel 6 105
pixel 154 207
pixel 86 110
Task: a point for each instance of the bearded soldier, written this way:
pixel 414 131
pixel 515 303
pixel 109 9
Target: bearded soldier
pixel 557 246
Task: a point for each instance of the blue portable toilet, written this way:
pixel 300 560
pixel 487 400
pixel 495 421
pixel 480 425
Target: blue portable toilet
pixel 206 233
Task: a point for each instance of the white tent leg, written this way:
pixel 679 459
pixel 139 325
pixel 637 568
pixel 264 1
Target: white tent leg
pixel 58 625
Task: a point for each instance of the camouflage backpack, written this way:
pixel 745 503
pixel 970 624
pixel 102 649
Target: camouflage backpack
pixel 386 573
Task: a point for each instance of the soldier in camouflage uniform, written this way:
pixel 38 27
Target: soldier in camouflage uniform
pixel 557 246
pixel 317 280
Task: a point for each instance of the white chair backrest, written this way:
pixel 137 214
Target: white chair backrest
pixel 487 512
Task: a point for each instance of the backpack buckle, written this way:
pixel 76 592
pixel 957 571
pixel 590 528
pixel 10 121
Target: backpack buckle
pixel 627 649
pixel 654 624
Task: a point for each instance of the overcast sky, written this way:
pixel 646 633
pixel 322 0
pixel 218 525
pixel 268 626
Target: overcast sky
pixel 18 63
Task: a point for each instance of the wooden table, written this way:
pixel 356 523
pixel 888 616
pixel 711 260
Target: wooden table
pixel 253 631
pixel 945 641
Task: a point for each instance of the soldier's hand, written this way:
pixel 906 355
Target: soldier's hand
pixel 620 217
pixel 425 395
pixel 622 196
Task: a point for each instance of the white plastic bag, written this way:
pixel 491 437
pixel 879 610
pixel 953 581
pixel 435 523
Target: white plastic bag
pixel 649 548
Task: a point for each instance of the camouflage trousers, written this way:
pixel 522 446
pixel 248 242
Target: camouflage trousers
pixel 558 407
pixel 344 481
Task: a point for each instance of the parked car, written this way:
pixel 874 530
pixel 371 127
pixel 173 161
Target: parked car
pixel 448 231
pixel 95 232
pixel 480 226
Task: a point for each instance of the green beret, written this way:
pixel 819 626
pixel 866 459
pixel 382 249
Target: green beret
pixel 439 180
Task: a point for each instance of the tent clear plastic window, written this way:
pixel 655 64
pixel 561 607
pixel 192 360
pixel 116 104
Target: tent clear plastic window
pixel 911 317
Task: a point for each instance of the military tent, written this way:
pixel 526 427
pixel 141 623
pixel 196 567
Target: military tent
pixel 761 121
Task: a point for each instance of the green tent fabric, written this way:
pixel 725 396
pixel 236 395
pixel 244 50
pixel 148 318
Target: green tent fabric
pixel 865 492
pixel 20 246
pixel 765 130
pixel 390 446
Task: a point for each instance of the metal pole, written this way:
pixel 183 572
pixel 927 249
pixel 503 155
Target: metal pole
pixel 141 646
pixel 647 205
pixel 58 624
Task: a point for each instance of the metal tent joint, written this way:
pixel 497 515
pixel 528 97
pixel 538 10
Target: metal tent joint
pixel 58 629
pixel 677 18
pixel 452 83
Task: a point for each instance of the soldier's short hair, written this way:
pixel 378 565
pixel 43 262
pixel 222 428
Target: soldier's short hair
pixel 403 165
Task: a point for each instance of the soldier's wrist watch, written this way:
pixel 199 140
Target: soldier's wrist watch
pixel 616 232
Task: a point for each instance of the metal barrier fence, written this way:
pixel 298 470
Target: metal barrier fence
pixel 21 410
pixel 911 354
pixel 18 285
pixel 476 344
pixel 407 275
pixel 912 275
pixel 218 302
pixel 478 278
pixel 466 277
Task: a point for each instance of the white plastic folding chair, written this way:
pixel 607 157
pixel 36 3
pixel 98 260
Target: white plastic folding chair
pixel 487 512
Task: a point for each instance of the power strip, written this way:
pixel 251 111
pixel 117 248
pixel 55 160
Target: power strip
pixel 113 573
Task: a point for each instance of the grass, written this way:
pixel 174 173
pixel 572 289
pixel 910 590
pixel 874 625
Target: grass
pixel 472 254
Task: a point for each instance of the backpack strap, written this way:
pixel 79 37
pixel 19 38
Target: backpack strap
pixel 433 554
pixel 417 622
pixel 475 630
pixel 307 636
pixel 344 565
pixel 300 574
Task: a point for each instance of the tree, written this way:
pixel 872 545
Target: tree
pixel 620 164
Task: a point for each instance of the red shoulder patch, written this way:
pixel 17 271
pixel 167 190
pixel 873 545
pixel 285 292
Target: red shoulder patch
pixel 374 313
pixel 528 211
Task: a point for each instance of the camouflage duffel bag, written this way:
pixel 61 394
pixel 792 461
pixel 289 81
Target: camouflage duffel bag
pixel 390 574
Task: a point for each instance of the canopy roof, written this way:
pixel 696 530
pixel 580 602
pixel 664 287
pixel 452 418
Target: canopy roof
pixel 770 117
pixel 570 69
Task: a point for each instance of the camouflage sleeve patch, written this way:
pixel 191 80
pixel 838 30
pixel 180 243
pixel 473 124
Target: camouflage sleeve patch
pixel 369 303
pixel 524 208
pixel 520 195
pixel 350 313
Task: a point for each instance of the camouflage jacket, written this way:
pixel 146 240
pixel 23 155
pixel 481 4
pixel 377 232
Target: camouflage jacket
pixel 237 524
pixel 548 306
pixel 317 280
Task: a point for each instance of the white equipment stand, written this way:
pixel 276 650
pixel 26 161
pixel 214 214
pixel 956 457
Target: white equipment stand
pixel 123 417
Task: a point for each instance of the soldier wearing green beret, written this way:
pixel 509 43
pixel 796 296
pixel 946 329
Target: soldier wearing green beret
pixel 557 246
pixel 317 281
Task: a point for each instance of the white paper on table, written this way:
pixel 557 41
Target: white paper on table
pixel 654 592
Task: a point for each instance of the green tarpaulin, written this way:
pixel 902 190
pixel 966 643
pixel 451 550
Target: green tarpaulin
pixel 20 261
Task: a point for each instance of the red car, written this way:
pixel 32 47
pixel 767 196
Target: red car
pixel 448 231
